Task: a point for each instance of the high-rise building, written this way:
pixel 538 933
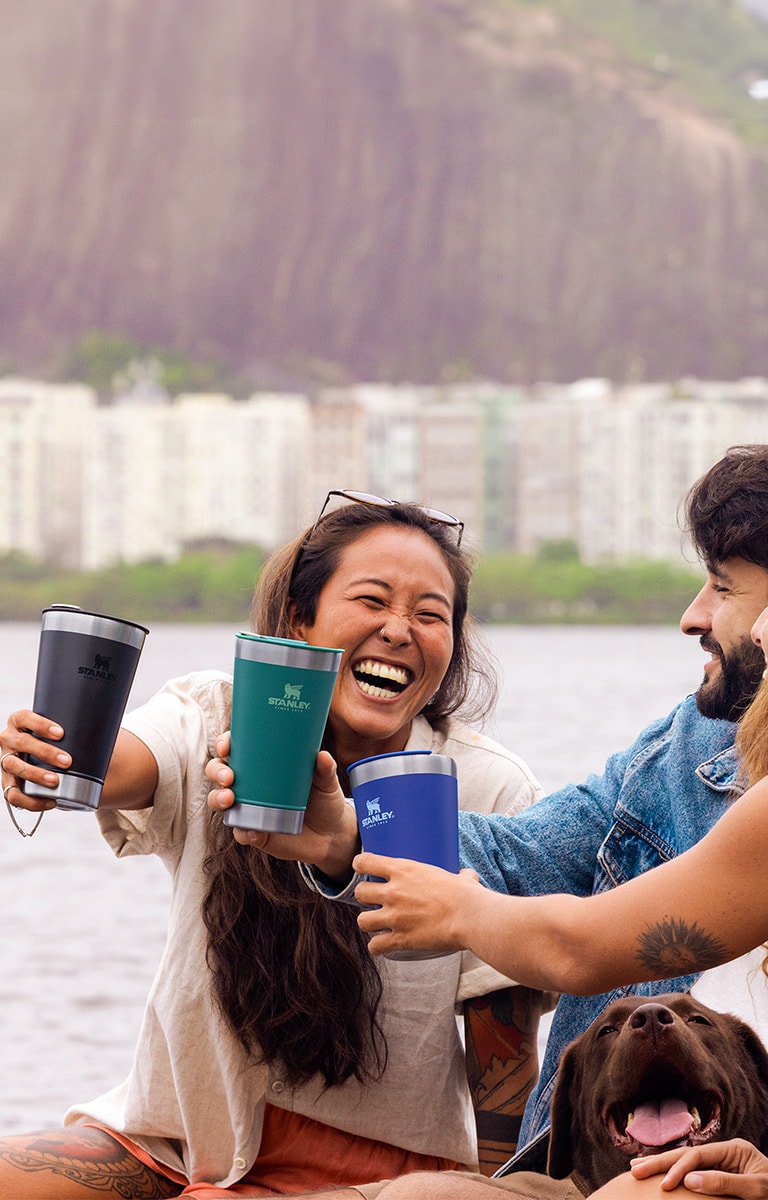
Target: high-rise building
pixel 42 431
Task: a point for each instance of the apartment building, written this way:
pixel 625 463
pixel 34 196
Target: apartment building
pixel 130 497
pixel 42 436
pixel 638 452
pixel 416 443
pixel 243 467
pixel 85 485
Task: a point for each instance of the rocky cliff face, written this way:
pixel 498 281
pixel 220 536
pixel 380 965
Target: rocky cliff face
pixel 392 187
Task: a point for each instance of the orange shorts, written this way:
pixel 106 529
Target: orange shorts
pixel 299 1155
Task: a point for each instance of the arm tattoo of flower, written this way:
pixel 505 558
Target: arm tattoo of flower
pixel 674 948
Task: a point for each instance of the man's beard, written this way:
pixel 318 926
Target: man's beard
pixel 731 692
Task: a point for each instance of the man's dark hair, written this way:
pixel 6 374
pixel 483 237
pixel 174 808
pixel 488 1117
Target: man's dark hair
pixel 726 511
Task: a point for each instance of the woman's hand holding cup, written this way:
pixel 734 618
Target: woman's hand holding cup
pixel 328 838
pixel 22 736
pixel 219 772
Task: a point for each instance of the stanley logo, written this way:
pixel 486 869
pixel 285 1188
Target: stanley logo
pixel 375 815
pixel 99 670
pixel 291 699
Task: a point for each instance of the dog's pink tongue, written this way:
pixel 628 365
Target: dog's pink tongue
pixel 656 1124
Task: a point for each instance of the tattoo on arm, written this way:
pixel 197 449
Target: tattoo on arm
pixel 674 948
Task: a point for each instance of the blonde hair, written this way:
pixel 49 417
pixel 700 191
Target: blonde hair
pixel 752 738
pixel 752 743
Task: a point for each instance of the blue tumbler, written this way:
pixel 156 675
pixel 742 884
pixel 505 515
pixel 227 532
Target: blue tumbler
pixel 407 806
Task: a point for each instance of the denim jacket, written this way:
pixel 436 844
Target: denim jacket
pixel 653 801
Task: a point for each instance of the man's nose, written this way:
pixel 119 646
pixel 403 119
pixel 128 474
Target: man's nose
pixel 697 618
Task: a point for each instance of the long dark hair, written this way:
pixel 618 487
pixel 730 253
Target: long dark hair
pixel 292 974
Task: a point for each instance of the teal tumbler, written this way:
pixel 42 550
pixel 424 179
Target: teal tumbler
pixel 281 695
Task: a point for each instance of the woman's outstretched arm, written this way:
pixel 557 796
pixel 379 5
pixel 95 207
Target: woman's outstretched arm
pixel 131 778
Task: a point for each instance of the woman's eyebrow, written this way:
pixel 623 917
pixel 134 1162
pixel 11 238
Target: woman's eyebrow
pixel 382 583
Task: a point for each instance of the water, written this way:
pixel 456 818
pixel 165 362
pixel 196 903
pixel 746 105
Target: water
pixel 82 933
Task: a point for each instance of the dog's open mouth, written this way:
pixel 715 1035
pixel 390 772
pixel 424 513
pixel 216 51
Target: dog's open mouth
pixel 653 1121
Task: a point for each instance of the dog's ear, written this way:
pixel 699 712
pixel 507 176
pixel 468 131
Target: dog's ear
pixel 563 1114
pixel 755 1049
pixel 758 1085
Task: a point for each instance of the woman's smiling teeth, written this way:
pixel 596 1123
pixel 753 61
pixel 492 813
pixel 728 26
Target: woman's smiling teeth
pixel 380 678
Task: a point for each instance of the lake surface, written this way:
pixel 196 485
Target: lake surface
pixel 82 933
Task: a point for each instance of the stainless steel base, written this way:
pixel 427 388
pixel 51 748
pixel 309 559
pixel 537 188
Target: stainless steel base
pixel 74 792
pixel 265 819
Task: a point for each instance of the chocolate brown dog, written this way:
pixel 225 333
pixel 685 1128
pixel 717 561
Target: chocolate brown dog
pixel 651 1074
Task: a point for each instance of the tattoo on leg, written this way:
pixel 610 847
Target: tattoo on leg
pixel 674 948
pixel 502 1067
pixel 105 1167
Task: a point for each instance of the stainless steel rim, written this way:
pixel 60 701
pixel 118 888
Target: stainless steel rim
pixel 303 657
pixel 72 620
pixel 401 764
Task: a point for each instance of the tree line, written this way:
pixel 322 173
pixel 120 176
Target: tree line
pixel 212 583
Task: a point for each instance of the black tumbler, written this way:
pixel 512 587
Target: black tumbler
pixel 85 668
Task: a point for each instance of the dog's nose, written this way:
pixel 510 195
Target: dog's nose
pixel 648 1017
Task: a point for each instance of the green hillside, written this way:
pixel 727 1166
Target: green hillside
pixel 711 49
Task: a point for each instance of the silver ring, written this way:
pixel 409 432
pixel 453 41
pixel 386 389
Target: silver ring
pixel 6 790
pixel 8 754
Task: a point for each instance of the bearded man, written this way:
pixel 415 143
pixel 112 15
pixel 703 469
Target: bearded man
pixel 661 795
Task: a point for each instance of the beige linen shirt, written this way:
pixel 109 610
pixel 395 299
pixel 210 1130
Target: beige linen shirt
pixel 193 1099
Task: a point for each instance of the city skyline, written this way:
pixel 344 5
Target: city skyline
pixel 84 485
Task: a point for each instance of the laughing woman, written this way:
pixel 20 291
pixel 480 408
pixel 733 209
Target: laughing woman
pixel 275 1057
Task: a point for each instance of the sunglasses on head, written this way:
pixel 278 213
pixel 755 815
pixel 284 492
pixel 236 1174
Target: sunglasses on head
pixel 433 514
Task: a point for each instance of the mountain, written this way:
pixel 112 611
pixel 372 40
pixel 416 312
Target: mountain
pixel 395 189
